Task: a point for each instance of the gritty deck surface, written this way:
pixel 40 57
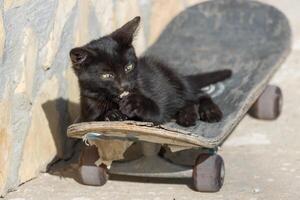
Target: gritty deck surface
pixel 262 161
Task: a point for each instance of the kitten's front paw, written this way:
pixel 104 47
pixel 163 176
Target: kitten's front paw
pixel 115 115
pixel 186 119
pixel 210 113
pixel 131 105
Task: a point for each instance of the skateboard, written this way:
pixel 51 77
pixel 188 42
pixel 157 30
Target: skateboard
pixel 250 38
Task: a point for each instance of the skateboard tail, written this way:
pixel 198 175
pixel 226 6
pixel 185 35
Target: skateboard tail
pixel 199 81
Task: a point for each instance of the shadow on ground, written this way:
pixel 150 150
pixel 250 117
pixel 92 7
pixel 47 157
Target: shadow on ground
pixel 57 113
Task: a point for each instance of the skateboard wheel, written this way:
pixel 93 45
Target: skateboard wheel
pixel 208 173
pixel 90 174
pixel 268 106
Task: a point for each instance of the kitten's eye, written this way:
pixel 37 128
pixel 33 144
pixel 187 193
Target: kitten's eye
pixel 129 67
pixel 107 76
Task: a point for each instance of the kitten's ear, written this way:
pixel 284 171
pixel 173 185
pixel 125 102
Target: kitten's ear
pixel 126 33
pixel 78 55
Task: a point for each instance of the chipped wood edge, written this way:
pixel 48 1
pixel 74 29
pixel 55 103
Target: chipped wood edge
pixel 142 131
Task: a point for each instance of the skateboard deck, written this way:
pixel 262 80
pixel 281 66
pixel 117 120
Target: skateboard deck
pixel 250 38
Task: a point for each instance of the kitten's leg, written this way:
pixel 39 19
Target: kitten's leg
pixel 208 110
pixel 100 110
pixel 187 116
pixel 90 110
pixel 141 107
pixel 115 115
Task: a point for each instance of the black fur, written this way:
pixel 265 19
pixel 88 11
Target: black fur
pixel 156 92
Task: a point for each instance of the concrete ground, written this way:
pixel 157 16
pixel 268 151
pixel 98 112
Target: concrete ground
pixel 262 158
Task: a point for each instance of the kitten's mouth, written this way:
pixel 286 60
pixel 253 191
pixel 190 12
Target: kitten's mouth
pixel 124 94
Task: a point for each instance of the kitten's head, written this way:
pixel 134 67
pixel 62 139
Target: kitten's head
pixel 108 63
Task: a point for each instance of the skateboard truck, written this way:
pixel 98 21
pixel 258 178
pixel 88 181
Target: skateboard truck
pixel 207 173
pixel 150 165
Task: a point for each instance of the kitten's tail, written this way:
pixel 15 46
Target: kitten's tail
pixel 199 81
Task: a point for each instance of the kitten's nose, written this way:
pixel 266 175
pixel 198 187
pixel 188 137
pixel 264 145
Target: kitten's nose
pixel 125 85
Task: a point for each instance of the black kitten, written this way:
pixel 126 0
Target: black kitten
pixel 116 85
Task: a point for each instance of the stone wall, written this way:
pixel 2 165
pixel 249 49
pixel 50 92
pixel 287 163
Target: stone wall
pixel 38 90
